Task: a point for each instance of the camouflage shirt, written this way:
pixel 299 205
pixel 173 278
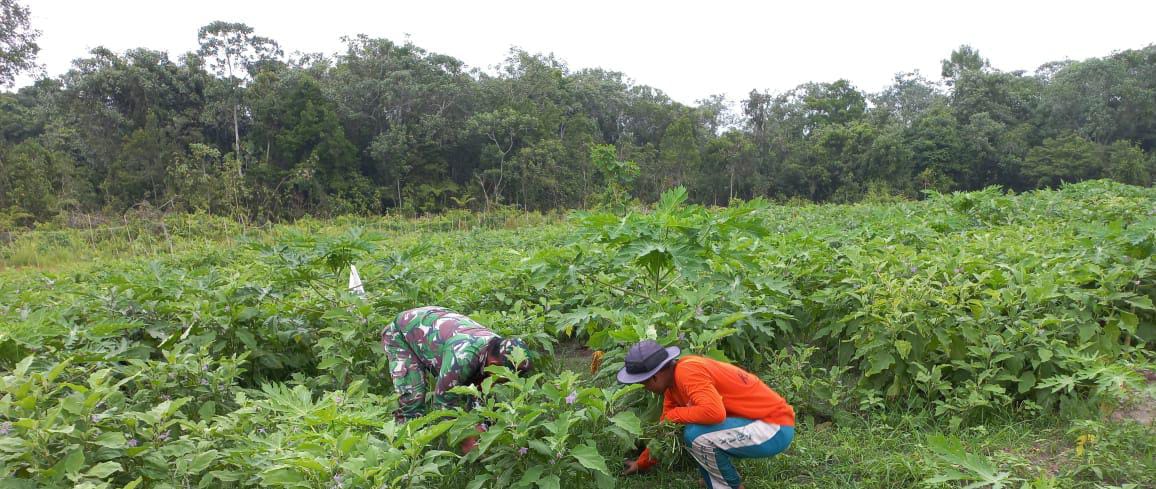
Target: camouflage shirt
pixel 434 340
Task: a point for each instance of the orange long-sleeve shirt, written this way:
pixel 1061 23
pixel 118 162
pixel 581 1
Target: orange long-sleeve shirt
pixel 707 391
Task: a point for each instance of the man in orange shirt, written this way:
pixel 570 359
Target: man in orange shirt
pixel 728 411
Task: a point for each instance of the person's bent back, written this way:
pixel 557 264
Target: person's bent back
pixel 448 346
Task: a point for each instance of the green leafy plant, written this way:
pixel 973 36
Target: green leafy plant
pixel 966 467
pixel 542 432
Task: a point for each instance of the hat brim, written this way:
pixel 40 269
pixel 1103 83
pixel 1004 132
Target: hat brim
pixel 629 378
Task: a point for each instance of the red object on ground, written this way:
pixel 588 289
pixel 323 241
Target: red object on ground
pixel 472 442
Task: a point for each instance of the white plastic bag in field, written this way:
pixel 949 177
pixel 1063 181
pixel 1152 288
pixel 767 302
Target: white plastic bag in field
pixel 355 281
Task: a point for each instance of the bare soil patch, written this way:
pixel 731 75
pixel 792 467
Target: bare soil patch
pixel 1140 406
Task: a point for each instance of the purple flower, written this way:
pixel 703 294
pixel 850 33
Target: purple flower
pixel 914 269
pixel 132 442
pixel 572 397
pixel 96 418
pixel 163 436
pixel 5 428
pixel 523 451
pixel 204 381
pixel 338 399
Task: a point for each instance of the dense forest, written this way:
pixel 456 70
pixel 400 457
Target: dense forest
pixel 240 128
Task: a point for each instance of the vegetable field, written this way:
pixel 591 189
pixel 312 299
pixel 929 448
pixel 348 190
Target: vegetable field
pixel 971 339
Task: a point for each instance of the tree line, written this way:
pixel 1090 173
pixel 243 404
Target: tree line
pixel 240 128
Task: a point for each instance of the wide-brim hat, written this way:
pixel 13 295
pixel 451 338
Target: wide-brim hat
pixel 644 360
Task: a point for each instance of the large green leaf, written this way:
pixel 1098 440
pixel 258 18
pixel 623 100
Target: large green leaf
pixel 550 482
pixel 589 457
pixel 628 421
pixel 103 469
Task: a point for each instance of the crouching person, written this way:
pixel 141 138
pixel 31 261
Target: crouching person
pixel 450 347
pixel 728 412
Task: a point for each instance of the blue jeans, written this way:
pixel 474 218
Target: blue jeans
pixel 712 446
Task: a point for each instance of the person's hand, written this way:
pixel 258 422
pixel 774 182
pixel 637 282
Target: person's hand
pixel 468 445
pixel 631 467
pixel 472 442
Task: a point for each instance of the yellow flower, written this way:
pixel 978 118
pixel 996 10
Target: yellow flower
pixel 1084 440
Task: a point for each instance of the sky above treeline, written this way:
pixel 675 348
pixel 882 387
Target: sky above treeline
pixel 688 50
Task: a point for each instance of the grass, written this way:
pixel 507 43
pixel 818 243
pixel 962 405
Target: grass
pixel 55 247
pixel 890 449
pixel 1041 452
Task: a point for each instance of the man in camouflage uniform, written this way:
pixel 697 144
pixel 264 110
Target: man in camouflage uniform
pixel 449 346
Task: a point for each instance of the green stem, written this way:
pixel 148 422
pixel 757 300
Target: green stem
pixel 620 289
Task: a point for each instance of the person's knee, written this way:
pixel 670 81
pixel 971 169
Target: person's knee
pixel 691 432
pixel 784 438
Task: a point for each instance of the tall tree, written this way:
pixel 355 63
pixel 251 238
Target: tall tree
pixel 1104 99
pixel 35 182
pixel 908 96
pixel 833 103
pixel 234 52
pixel 112 110
pixel 18 48
pixel 406 109
pixel 1125 162
pixel 506 131
pixel 1067 158
pixel 679 154
pixel 728 169
pixel 938 146
pixel 966 59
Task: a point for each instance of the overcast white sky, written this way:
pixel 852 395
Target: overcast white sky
pixel 690 50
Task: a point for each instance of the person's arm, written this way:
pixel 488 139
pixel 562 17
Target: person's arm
pixel 408 379
pixel 706 404
pixel 667 406
pixel 644 460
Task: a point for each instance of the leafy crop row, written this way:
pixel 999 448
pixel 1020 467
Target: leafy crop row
pixel 251 366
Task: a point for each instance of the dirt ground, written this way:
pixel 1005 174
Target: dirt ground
pixel 573 356
pixel 1141 407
